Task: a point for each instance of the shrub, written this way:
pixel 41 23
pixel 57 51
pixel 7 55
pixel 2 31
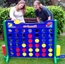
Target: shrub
pixel 58 14
pixel 30 12
pixel 4 13
pixel 56 10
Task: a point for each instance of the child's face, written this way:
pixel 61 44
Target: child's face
pixel 36 6
pixel 21 5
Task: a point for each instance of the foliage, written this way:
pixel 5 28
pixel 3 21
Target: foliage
pixel 58 14
pixel 45 2
pixel 57 11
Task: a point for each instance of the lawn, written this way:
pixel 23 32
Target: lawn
pixel 61 41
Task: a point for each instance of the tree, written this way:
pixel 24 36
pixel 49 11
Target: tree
pixel 45 2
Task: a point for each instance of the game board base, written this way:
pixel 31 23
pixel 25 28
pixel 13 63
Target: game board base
pixel 6 58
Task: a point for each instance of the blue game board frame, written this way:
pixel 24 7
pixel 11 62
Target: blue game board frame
pixel 39 26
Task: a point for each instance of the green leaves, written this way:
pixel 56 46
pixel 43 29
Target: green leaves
pixel 59 14
pixel 4 14
pixel 30 12
pixel 57 11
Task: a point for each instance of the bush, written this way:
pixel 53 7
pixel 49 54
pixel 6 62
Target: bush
pixel 58 14
pixel 30 12
pixel 4 14
pixel 56 10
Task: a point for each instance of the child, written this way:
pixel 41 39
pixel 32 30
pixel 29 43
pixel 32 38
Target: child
pixel 42 12
pixel 17 12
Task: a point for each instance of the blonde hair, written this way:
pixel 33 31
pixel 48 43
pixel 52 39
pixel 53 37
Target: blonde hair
pixel 21 1
pixel 24 7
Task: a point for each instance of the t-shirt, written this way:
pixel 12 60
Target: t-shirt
pixel 49 12
pixel 43 14
pixel 16 15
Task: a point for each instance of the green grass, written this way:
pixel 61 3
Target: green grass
pixel 60 41
pixel 64 28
